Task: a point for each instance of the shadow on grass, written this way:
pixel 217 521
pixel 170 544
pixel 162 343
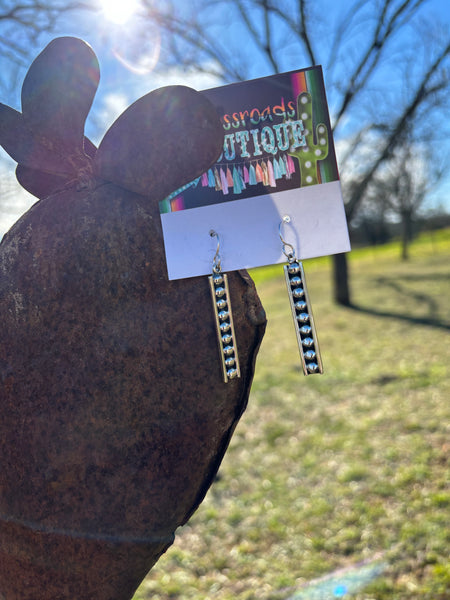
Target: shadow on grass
pixel 429 321
pixel 398 285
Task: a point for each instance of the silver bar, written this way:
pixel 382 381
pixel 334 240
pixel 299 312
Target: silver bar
pixel 302 315
pixel 224 326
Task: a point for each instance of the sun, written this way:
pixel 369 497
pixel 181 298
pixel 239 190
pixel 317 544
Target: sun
pixel 118 11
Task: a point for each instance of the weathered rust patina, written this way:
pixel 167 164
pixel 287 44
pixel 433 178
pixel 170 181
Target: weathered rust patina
pixel 114 417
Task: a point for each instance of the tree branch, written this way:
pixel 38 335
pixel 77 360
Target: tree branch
pixel 304 32
pixel 393 139
pixel 366 66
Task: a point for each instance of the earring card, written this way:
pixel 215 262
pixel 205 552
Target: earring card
pixel 278 158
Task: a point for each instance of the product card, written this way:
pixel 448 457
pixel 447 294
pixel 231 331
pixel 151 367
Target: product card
pixel 278 161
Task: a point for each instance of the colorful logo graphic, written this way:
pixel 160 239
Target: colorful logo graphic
pixel 277 137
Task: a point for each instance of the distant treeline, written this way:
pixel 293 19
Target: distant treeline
pixel 369 232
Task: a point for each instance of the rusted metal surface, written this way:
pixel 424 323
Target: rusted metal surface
pixel 114 417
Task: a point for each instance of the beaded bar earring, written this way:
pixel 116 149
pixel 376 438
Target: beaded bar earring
pixel 301 309
pixel 218 282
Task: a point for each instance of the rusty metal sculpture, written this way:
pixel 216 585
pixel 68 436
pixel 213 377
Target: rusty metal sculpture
pixel 114 416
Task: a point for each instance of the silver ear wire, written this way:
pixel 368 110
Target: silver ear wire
pixel 226 338
pixel 216 259
pixel 285 219
pixel 301 308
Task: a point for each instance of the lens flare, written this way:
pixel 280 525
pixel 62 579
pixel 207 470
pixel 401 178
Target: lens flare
pixel 342 583
pixel 138 48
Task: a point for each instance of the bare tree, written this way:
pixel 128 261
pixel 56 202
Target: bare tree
pixel 379 84
pixel 402 186
pixel 367 46
pixel 22 24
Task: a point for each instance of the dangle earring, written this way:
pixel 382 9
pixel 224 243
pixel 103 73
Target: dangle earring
pixel 301 308
pixel 218 282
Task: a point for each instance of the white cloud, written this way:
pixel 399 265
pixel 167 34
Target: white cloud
pixel 109 105
pixel 192 78
pixel 113 105
pixel 105 111
pixel 14 200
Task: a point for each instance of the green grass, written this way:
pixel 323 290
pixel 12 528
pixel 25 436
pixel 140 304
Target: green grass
pixel 324 472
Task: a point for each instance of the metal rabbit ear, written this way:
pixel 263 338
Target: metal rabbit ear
pixel 301 308
pixel 220 293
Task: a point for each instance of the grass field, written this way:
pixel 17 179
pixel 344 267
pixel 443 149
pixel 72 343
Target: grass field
pixel 345 473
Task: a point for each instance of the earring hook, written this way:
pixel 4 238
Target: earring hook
pixel 216 259
pixel 289 255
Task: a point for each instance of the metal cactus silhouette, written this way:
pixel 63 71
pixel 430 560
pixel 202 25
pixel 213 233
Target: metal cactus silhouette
pixel 114 417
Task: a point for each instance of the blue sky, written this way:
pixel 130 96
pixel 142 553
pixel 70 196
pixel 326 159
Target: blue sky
pixel 122 82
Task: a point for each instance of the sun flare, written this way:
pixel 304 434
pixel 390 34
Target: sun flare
pixel 118 11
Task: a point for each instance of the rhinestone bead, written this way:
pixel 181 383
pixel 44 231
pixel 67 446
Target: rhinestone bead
pixel 305 329
pixel 303 317
pixel 300 305
pixel 310 355
pixel 228 350
pixel 312 367
pixel 232 373
pixel 225 326
pixel 218 279
pixel 293 268
pixel 227 338
pixel 224 314
pixel 298 292
pixel 295 281
pixel 220 291
pixel 308 342
pixel 230 362
pixel 222 303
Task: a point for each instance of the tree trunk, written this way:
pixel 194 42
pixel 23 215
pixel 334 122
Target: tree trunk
pixel 341 287
pixel 406 233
